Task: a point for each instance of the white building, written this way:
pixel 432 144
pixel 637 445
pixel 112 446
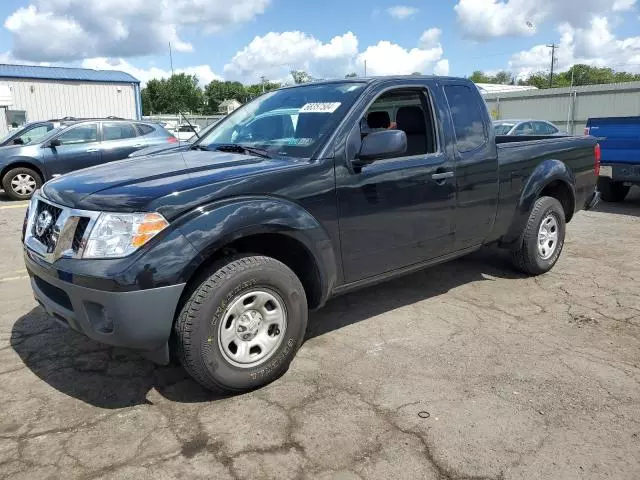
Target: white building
pixel 30 93
pixel 228 106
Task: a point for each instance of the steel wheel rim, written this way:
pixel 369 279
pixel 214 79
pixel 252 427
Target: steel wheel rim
pixel 548 237
pixel 23 184
pixel 252 328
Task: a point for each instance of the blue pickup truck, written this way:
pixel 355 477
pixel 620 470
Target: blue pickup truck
pixel 619 139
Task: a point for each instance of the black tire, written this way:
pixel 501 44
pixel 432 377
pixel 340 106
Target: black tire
pixel 612 191
pixel 196 328
pixel 527 258
pixel 14 173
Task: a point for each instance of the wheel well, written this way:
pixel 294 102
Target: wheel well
pixel 561 192
pixel 18 165
pixel 287 250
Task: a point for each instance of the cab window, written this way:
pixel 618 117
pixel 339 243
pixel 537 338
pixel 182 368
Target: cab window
pixel 405 110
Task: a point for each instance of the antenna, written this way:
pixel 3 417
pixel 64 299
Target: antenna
pixel 553 47
pixel 171 58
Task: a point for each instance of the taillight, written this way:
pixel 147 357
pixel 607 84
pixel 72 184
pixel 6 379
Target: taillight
pixel 597 154
pixel 586 130
pixel 172 139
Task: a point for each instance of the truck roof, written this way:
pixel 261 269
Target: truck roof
pixel 381 79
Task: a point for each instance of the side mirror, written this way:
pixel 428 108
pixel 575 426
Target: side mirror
pixel 54 143
pixel 18 141
pixel 380 145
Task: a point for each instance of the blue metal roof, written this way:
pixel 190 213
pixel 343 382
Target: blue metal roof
pixel 63 73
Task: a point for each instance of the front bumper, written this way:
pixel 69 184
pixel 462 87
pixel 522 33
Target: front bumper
pixel 139 319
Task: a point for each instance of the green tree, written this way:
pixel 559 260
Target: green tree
pixel 479 77
pixel 416 73
pixel 179 92
pixel 502 77
pixel 218 91
pixel 153 100
pixel 351 75
pixel 300 76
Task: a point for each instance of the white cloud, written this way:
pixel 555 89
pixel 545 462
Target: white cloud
pixel 274 55
pixel 485 19
pixel 203 72
pixel 430 38
pixel 594 45
pixel 401 12
pixel 388 58
pixel 441 67
pixel 623 5
pixel 77 29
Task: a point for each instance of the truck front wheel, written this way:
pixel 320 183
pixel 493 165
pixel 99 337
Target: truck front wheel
pixel 612 191
pixel 242 324
pixel 543 238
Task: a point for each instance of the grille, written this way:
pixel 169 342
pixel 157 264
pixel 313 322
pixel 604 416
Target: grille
pixel 65 233
pixel 49 237
pixel 79 234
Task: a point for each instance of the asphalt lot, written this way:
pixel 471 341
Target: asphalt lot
pixel 519 378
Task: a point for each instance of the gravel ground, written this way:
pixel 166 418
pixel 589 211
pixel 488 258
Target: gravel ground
pixel 464 371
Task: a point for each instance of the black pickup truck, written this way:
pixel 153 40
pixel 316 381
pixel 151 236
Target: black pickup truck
pixel 214 255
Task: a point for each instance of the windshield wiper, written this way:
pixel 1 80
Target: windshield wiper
pixel 199 147
pixel 237 148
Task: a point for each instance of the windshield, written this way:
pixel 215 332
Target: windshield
pixel 502 128
pixel 288 122
pixel 6 137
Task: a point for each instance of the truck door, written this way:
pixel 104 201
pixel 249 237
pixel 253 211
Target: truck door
pixel 395 212
pixel 476 165
pixel 78 148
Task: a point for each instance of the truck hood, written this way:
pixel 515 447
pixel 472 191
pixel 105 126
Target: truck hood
pixel 167 183
pixel 157 149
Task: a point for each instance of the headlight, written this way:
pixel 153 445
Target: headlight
pixel 120 234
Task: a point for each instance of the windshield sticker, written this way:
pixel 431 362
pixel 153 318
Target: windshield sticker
pixel 320 107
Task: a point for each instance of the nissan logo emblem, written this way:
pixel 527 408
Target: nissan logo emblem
pixel 43 223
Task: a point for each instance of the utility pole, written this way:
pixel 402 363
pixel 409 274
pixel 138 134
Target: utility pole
pixel 365 68
pixel 553 47
pixel 263 80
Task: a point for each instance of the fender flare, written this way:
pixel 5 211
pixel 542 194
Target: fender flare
pixel 209 228
pixel 546 172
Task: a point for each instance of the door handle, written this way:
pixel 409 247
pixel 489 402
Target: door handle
pixel 90 150
pixel 442 175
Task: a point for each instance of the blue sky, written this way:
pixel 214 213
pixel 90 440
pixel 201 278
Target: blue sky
pixel 244 39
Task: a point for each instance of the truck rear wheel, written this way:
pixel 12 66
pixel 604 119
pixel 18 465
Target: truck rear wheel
pixel 543 238
pixel 242 324
pixel 612 191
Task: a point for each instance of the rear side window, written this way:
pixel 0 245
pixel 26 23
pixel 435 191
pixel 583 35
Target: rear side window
pixel 145 129
pixel 117 131
pixel 542 128
pixel 466 113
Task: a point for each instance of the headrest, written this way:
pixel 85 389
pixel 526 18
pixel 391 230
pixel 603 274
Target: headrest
pixel 378 120
pixel 411 120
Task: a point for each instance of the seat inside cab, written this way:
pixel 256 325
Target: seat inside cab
pixel 406 110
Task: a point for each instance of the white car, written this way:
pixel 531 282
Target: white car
pixel 184 132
